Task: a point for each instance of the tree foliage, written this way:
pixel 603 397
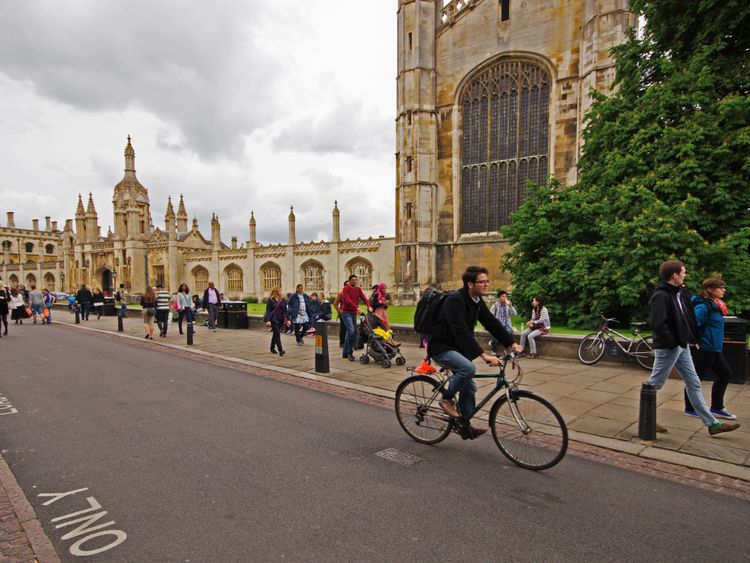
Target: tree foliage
pixel 664 173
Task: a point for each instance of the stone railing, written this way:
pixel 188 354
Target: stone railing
pixel 453 9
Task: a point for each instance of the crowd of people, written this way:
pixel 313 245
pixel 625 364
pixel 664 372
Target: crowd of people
pixel 21 304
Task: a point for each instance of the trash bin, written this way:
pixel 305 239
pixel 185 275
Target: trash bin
pixel 735 347
pixel 109 307
pixel 233 314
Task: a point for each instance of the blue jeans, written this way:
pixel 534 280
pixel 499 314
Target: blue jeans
pixel 667 358
pixel 462 381
pixel 85 309
pixel 123 309
pixel 37 309
pixel 350 322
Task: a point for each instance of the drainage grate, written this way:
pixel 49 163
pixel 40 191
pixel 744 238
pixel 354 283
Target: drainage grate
pixel 397 456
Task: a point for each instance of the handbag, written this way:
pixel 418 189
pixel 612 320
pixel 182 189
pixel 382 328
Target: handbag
pixel 45 313
pixel 27 311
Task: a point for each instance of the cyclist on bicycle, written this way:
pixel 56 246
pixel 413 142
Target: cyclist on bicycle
pixel 453 346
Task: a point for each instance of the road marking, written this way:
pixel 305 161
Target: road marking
pixel 86 527
pixel 6 407
pixel 397 456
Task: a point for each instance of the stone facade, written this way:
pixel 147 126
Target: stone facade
pixel 490 93
pixel 139 254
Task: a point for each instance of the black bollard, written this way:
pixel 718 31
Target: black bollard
pixel 78 316
pixel 119 323
pixel 647 414
pixel 190 334
pixel 321 347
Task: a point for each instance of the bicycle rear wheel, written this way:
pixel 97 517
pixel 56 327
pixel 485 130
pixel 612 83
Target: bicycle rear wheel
pixel 418 414
pixel 591 348
pixel 644 353
pixel 528 430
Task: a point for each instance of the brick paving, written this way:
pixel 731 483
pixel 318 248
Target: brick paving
pixel 599 404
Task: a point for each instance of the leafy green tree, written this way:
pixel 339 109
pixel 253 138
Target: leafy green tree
pixel 664 173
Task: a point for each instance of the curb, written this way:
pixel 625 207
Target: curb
pixel 40 544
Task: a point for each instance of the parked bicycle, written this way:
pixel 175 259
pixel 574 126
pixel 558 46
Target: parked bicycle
pixel 593 346
pixel 528 430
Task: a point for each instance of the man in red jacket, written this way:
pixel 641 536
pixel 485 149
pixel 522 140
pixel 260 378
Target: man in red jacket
pixel 347 305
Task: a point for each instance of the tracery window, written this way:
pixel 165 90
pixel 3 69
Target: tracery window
pixel 505 141
pixel 363 270
pixel 30 280
pixel 29 247
pixel 200 275
pixel 234 278
pixel 49 281
pixel 49 249
pixel 312 276
pixel 271 277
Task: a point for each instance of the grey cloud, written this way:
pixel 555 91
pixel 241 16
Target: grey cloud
pixel 348 128
pixel 195 65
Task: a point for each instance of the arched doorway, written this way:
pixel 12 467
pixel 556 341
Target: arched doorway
pixel 106 278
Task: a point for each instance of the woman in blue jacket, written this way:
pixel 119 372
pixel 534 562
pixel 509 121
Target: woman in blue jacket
pixel 710 311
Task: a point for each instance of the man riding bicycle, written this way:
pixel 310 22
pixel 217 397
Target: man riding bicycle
pixel 453 346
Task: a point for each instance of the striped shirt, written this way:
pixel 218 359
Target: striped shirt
pixel 162 299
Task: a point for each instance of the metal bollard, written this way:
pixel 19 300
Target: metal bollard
pixel 321 347
pixel 78 316
pixel 647 413
pixel 120 328
pixel 190 334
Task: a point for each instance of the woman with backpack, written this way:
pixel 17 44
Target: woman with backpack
pixel 710 311
pixel 275 317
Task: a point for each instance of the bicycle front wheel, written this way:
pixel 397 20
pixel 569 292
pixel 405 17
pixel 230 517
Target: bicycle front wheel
pixel 591 349
pixel 528 430
pixel 644 353
pixel 418 411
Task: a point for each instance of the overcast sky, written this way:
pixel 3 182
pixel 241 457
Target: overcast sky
pixel 237 104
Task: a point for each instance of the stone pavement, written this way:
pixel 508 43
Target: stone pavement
pixel 599 403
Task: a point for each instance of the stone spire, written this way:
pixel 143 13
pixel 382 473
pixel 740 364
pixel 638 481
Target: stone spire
pixel 92 220
pixel 215 232
pixel 169 216
pixel 292 230
pixel 336 222
pixel 90 209
pixel 253 240
pixel 80 220
pixel 129 184
pixel 79 210
pixel 195 223
pixel 182 216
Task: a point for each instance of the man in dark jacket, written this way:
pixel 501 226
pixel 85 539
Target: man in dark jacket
pixel 85 299
pixel 453 346
pixel 674 330
pixel 300 309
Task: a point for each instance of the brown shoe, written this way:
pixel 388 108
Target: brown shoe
pixel 476 432
pixel 449 407
pixel 661 429
pixel 722 427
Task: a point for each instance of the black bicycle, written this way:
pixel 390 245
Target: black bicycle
pixel 527 428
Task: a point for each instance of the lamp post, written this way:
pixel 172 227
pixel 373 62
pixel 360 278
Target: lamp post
pixel 62 281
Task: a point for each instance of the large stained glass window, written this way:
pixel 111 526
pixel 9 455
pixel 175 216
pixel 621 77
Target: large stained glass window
pixel 505 141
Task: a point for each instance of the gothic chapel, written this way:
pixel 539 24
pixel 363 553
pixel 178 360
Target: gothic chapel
pixel 490 94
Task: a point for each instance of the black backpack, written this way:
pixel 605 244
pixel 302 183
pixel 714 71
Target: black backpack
pixel 428 309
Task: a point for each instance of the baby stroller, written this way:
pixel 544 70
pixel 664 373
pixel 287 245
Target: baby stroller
pixel 373 336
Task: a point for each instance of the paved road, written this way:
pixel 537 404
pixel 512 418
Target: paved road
pixel 196 462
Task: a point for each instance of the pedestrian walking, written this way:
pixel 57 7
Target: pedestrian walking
pixel 380 301
pixel 184 306
pixel 84 299
pixel 674 330
pixel 97 299
pixel 162 309
pixel 120 301
pixel 537 326
pixel 709 309
pixel 347 305
pixel 4 302
pixel 148 303
pixel 275 317
pixel 49 299
pixel 299 307
pixel 36 304
pixel 18 312
pixel 211 302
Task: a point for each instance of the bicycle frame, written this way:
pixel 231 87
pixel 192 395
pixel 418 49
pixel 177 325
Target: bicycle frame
pixel 607 333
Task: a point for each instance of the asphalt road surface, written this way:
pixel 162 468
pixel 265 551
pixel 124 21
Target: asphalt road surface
pixel 197 462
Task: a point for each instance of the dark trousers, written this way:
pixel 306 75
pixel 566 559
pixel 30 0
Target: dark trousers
pixel 342 332
pixel 299 330
pixel 162 320
pixel 4 320
pixel 276 336
pixel 186 314
pixel 85 310
pixel 705 360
